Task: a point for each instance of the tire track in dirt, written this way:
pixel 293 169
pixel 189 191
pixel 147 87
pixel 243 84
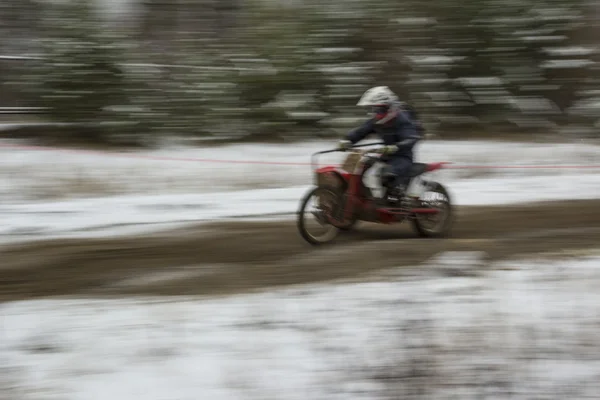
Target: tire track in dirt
pixel 232 257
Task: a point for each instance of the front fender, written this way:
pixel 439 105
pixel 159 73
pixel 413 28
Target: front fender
pixel 332 176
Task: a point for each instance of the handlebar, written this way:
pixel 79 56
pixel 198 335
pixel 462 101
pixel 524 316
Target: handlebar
pixel 314 156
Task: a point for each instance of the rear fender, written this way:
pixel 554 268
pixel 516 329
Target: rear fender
pixel 332 176
pixel 435 166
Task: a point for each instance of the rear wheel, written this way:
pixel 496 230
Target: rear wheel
pixel 439 224
pixel 315 221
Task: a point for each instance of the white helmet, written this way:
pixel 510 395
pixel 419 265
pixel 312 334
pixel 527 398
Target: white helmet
pixel 377 96
pixel 382 102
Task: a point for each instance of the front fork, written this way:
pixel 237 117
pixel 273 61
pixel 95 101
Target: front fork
pixel 343 210
pixel 350 197
pixel 336 211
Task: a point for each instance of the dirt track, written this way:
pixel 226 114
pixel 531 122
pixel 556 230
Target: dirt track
pixel 240 256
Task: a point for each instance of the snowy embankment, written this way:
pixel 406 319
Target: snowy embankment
pixel 45 193
pixel 518 329
pixel 453 327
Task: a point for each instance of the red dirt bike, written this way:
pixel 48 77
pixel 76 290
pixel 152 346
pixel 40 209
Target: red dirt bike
pixel 342 199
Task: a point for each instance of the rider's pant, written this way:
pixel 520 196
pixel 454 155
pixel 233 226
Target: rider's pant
pixel 400 167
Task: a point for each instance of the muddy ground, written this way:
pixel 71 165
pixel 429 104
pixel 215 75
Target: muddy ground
pixel 229 257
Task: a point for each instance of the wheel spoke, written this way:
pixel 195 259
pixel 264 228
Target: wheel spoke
pixel 314 216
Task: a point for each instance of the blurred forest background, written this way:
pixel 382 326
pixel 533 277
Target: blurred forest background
pixel 136 71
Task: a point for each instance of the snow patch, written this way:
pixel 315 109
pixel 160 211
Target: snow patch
pixel 57 194
pixel 525 329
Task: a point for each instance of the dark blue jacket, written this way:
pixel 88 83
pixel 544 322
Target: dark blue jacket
pixel 401 131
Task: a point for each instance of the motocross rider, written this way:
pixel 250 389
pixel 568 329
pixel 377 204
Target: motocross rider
pixel 399 132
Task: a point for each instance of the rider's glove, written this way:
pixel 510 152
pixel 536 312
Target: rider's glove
pixel 390 149
pixel 344 145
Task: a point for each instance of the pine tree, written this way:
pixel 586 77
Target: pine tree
pixel 80 78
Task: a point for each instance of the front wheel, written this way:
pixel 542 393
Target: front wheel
pixel 318 205
pixel 439 224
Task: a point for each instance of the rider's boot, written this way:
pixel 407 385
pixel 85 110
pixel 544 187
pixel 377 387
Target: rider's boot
pixel 393 196
pixel 396 195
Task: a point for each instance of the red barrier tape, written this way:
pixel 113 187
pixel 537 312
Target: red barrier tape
pixel 524 167
pixel 220 161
